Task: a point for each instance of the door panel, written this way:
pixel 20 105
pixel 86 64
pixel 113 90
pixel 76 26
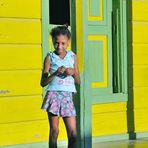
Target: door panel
pixel 100 48
pixel 97 12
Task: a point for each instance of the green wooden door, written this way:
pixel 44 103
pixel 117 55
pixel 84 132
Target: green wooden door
pixel 102 57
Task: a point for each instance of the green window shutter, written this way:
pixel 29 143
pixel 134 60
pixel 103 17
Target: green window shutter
pixel 119 23
pixel 116 49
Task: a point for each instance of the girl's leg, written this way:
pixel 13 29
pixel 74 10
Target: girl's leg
pixel 70 123
pixel 54 130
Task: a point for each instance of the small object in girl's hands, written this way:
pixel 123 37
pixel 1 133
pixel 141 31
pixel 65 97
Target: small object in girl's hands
pixel 61 75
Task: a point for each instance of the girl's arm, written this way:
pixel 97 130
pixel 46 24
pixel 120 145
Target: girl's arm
pixel 76 70
pixel 45 79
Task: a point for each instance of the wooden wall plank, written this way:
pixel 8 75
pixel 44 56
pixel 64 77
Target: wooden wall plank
pixel 108 107
pixel 108 123
pixel 141 120
pixel 20 31
pixel 139 10
pixel 140 97
pixel 138 54
pixel 21 9
pixel 138 76
pixel 21 108
pixel 139 32
pixel 20 57
pixel 20 82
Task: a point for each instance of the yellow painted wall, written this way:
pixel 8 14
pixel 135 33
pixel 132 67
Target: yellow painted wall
pixel 108 119
pixel 21 119
pixel 138 65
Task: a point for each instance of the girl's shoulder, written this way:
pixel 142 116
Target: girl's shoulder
pixel 71 53
pixel 50 54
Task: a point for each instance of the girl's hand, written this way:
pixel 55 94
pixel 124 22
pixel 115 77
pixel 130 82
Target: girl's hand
pixel 69 71
pixel 61 70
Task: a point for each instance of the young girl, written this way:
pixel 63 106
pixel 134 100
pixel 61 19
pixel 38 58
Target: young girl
pixel 62 64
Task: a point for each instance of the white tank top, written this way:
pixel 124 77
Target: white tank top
pixel 61 83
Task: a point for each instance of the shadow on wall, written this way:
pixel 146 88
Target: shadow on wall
pixel 130 103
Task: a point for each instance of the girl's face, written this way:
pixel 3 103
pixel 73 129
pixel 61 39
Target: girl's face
pixel 61 42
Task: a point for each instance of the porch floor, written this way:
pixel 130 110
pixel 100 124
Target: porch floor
pixel 141 143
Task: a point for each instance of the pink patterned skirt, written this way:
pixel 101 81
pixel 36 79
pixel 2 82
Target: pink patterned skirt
pixel 59 103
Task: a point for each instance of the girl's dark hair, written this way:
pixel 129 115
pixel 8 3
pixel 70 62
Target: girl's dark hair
pixel 60 30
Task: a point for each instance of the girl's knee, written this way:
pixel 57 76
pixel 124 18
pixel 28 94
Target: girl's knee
pixel 54 132
pixel 73 135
